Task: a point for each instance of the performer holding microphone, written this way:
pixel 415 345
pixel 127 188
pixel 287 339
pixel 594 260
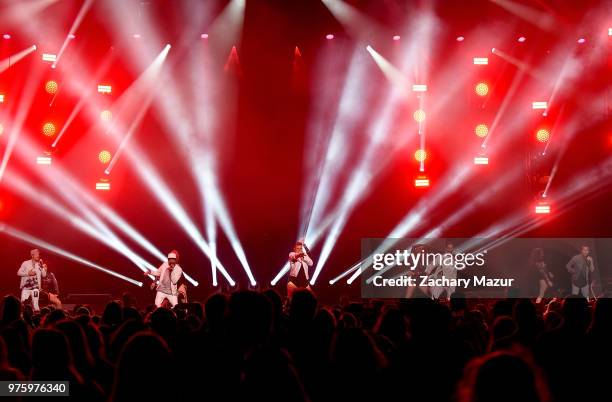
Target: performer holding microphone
pixel 581 268
pixel 169 274
pixel 31 272
pixel 299 261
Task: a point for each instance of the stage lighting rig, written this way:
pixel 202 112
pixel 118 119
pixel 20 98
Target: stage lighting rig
pixel 104 89
pixel 481 160
pixel 421 181
pixel 103 184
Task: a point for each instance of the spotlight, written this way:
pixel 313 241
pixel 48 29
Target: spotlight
pixel 103 184
pixel 481 130
pixel 481 61
pixel 329 36
pixel 460 38
pixel 71 36
pixel 419 88
pixel 1 129
pixel 581 40
pixel 43 160
pixel 481 160
pixel 136 36
pixel 543 135
pixel 609 32
pixel 419 115
pixel 49 57
pixel 420 155
pixel 51 87
pixel 539 105
pixel 204 36
pixel 104 157
pixel 421 181
pixel 542 207
pixel 106 115
pixel 1 98
pixel 396 37
pixel 104 89
pixel 481 89
pixel 48 129
pixel 521 39
pixel 6 36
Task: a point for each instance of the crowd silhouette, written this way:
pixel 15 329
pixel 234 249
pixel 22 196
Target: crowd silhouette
pixel 251 346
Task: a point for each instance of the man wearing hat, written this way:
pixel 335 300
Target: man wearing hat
pixel 31 272
pixel 169 274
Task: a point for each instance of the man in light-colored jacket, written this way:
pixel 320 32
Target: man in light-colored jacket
pixel 31 272
pixel 169 274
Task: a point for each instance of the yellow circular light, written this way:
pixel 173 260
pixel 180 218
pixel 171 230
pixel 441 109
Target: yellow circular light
pixel 51 87
pixel 104 157
pixel 543 135
pixel 481 89
pixel 420 155
pixel 419 116
pixel 481 130
pixel 48 129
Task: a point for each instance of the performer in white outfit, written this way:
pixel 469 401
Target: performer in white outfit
pixel 445 270
pixel 31 272
pixel 299 261
pixel 169 274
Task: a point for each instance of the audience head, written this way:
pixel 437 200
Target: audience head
pixel 502 377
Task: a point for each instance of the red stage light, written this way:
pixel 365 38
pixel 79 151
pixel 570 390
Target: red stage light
pixel 460 38
pixel 542 208
pixel 581 40
pixel 481 89
pixel 420 155
pixel 1 98
pixel 104 157
pixel 481 130
pixel 49 57
pixel 103 184
pixel 106 115
pixel 204 36
pixel 396 37
pixel 329 36
pixel 6 36
pixel 543 135
pixel 48 129
pixel 481 160
pixel 421 181
pixel 1 129
pixel 51 87
pixel 104 89
pixel 419 116
pixel 521 39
